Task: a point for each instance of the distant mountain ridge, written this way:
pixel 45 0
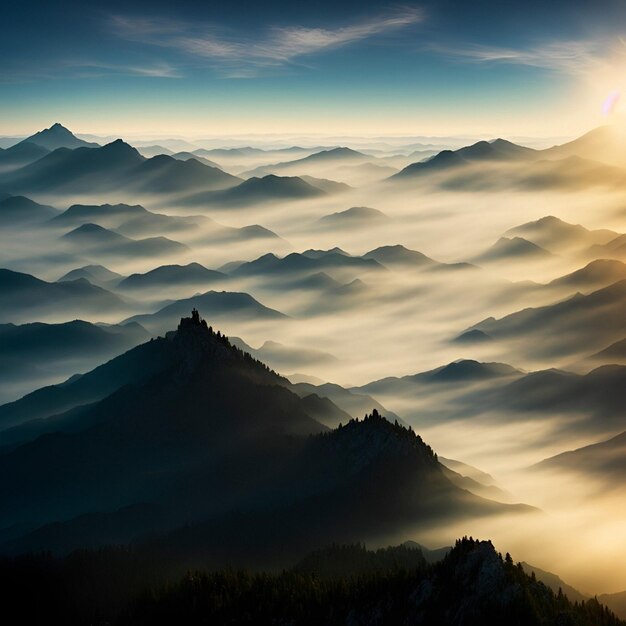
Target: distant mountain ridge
pixel 258 190
pixel 497 150
pixel 19 210
pixel 598 316
pixel 26 298
pixel 461 372
pixel 94 240
pixel 113 166
pixel 166 275
pixel 57 136
pixel 330 156
pixel 595 159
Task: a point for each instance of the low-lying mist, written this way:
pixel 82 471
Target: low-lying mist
pixel 363 320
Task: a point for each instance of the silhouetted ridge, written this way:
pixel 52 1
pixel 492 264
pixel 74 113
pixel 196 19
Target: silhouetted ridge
pixel 343 584
pixel 469 369
pixel 200 344
pixel 374 438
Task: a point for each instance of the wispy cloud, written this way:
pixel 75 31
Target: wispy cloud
pixel 97 68
pixel 236 55
pixel 77 69
pixel 568 57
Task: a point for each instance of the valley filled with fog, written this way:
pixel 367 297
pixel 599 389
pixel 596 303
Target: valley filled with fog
pixel 472 290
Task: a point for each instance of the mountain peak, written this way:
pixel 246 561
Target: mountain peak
pixel 195 322
pixel 119 149
pixel 200 347
pixel 375 436
pixel 57 136
pixel 119 143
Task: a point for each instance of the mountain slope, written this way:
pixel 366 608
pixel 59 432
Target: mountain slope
pixel 599 273
pixel 26 298
pixel 554 233
pixel 592 321
pixel 599 394
pixel 19 210
pixel 616 602
pixel 553 582
pixel 605 144
pixel 604 461
pixel 208 397
pixel 20 155
pixel 615 353
pixel 185 156
pixel 445 160
pixel 615 248
pixel 196 445
pixel 516 248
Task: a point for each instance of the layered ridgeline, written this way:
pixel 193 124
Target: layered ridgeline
pixel 473 585
pixel 188 445
pixel 470 584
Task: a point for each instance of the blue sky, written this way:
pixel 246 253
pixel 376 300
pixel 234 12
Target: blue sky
pixel 343 67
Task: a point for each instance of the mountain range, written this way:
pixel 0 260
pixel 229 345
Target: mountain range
pixel 26 298
pixel 259 190
pixel 340 163
pixel 555 234
pixel 113 167
pixel 580 323
pixel 137 443
pixel 305 262
pixel 21 211
pixel 120 442
pixel 166 275
pixel 594 160
pixel 94 240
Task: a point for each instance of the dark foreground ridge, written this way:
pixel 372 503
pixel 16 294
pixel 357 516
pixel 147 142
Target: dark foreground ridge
pixel 472 586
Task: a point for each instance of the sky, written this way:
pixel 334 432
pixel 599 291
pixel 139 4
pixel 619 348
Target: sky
pixel 369 68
